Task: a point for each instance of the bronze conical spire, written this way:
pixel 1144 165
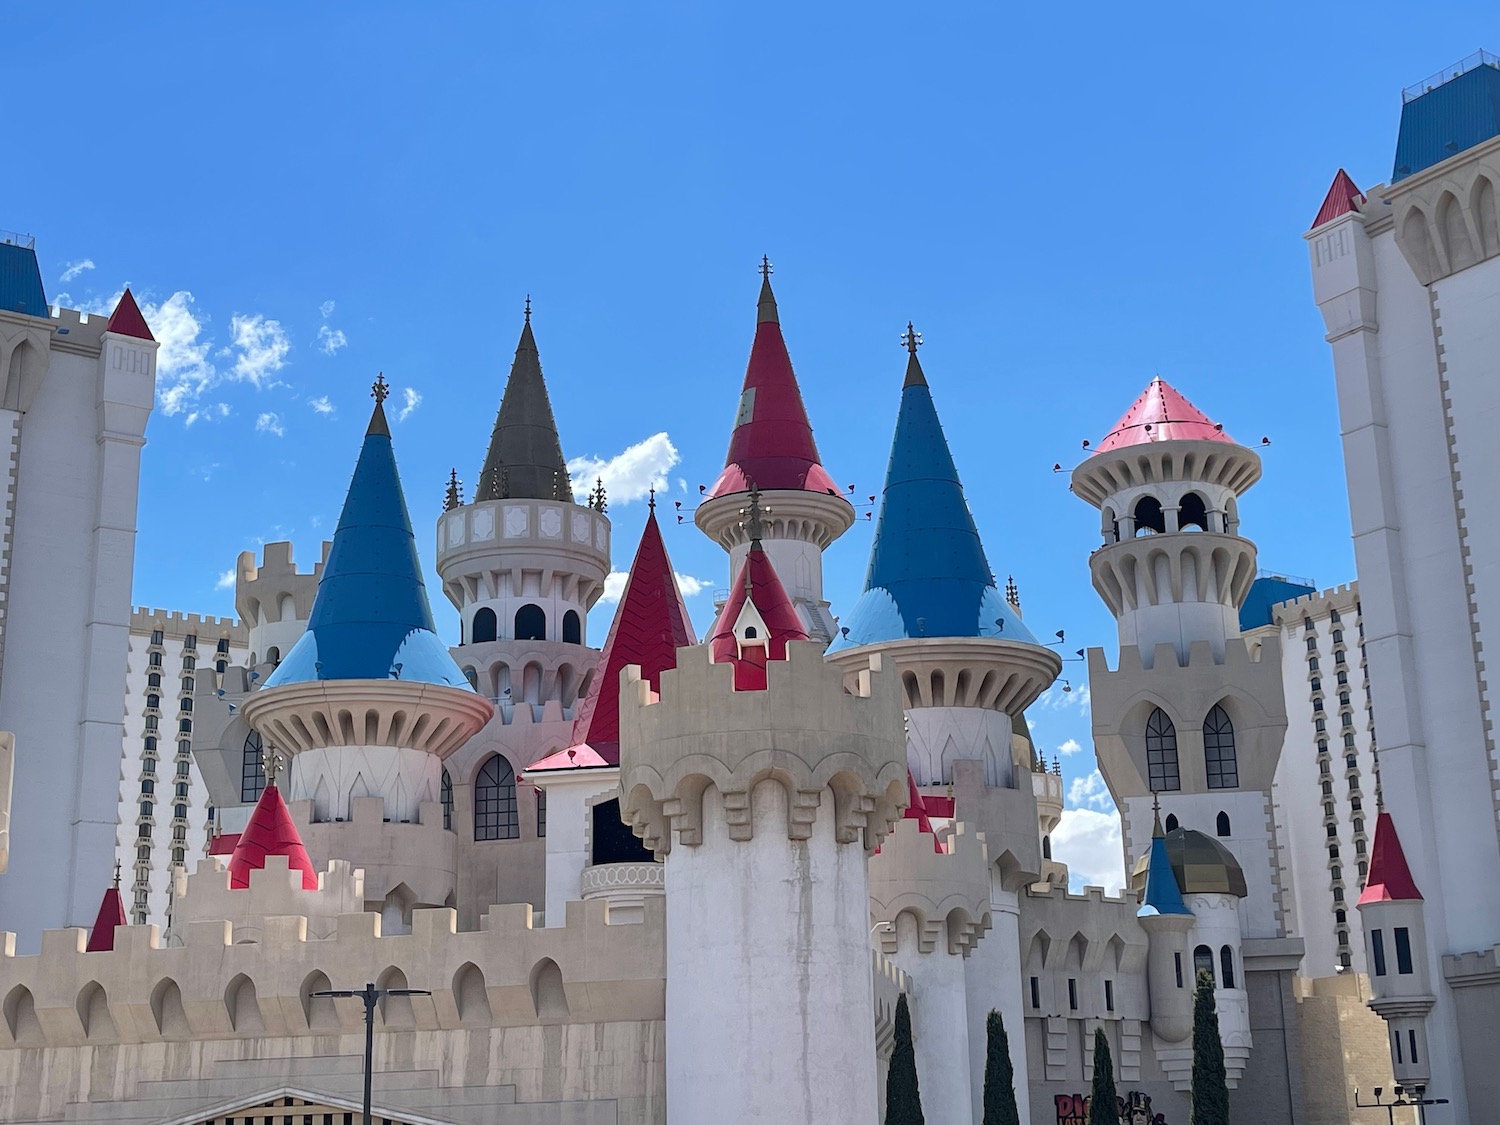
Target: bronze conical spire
pixel 525 458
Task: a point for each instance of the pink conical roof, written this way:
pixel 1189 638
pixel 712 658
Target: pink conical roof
pixel 111 914
pixel 270 832
pixel 916 809
pixel 1340 200
pixel 772 445
pixel 127 319
pixel 650 625
pixel 1161 414
pixel 758 584
pixel 1390 878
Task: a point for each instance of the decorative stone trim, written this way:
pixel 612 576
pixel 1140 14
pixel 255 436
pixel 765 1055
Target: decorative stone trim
pixel 327 713
pixel 600 880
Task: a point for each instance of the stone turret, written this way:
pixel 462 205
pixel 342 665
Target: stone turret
pixel 368 702
pixel 772 449
pixel 764 805
pixel 274 600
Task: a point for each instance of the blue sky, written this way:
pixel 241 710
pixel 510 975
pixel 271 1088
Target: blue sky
pixel 1066 200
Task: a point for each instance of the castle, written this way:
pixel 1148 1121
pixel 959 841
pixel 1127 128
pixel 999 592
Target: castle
pixel 669 882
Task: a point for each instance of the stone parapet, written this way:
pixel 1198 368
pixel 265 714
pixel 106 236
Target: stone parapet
pixel 1218 463
pixel 486 550
pixel 805 731
pixel 625 886
pixel 326 713
pixel 947 893
pixel 1005 819
pixel 980 672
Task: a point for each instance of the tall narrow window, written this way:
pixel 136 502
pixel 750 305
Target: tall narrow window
pixel 1161 753
pixel 1377 951
pixel 1036 993
pixel 445 794
pixel 1172 822
pixel 1403 950
pixel 1203 961
pixel 1411 1040
pixel 1109 996
pixel 252 773
pixel 541 812
pixel 1221 825
pixel 495 801
pixel 1072 994
pixel 1177 964
pixel 1226 966
pixel 1218 750
pixel 572 632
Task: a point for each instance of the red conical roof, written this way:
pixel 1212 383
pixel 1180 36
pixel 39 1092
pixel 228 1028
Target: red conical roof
pixel 270 832
pixel 917 810
pixel 757 584
pixel 1389 879
pixel 650 625
pixel 1339 200
pixel 772 445
pixel 111 914
pixel 127 319
pixel 1161 414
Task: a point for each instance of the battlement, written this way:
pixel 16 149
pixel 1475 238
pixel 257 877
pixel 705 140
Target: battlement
pixel 77 331
pixel 1343 598
pixel 275 891
pixel 1482 967
pixel 144 620
pixel 275 590
pixel 947 893
pixel 805 731
pixel 146 990
pixel 1089 894
pixel 1237 655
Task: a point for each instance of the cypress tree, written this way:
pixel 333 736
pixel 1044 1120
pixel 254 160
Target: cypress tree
pixel 903 1102
pixel 1104 1108
pixel 1210 1089
pixel 999 1075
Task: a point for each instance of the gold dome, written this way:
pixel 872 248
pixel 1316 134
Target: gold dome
pixel 1200 864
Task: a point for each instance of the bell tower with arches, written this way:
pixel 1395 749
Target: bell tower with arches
pixel 1189 717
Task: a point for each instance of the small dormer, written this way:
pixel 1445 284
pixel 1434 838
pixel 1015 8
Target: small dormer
pixel 759 617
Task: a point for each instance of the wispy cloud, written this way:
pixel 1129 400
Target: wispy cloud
pixel 76 269
pixel 630 474
pixel 183 370
pixel 1089 791
pixel 411 398
pixel 321 405
pixel 1089 842
pixel 226 581
pixel 1071 746
pixel 1059 698
pixel 207 412
pixel 269 423
pixel 262 345
pixel 331 340
pixel 326 308
pixel 614 585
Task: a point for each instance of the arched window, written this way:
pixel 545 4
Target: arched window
pixel 572 628
pixel 252 776
pixel 484 625
pixel 612 839
pixel 1221 826
pixel 273 655
pixel 495 801
pixel 1109 527
pixel 153 680
pixel 1046 847
pixel 445 794
pixel 153 701
pixel 1226 964
pixel 1218 750
pixel 1203 961
pixel 1172 822
pixel 1149 516
pixel 1161 753
pixel 1192 512
pixel 531 623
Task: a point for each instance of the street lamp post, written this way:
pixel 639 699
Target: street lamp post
pixel 370 995
pixel 1413 1095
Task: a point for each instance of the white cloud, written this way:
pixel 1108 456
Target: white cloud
pixel 630 474
pixel 183 369
pixel 226 581
pixel 1089 842
pixel 262 344
pixel 411 399
pixel 321 405
pixel 326 308
pixel 74 269
pixel 1071 746
pixel 1089 791
pixel 208 412
pixel 269 423
pixel 1060 698
pixel 614 585
pixel 331 340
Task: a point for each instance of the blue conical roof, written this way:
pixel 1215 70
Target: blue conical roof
pixel 928 575
pixel 371 619
pixel 1161 895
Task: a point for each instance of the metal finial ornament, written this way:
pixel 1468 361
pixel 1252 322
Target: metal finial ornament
pixel 380 391
pixel 651 499
pixel 753 521
pixel 271 763
pixel 1012 592
pixel 911 339
pixel 117 874
pixel 766 268
pixel 455 496
pixel 528 308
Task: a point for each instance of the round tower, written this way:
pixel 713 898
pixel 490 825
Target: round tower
pixel 1167 921
pixel 772 449
pixel 1167 481
pixel 368 702
pixel 765 784
pixel 522 562
pixel 274 600
pixel 968 668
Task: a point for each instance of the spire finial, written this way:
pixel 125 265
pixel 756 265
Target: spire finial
pixel 1156 828
pixel 752 517
pixel 380 390
pixel 271 762
pixel 117 874
pixel 766 268
pixel 651 498
pixel 528 308
pixel 911 339
pixel 455 496
pixel 1012 592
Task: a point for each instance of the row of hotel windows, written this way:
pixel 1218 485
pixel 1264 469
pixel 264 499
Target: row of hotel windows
pixel 530 625
pixel 1203 962
pixel 1218 751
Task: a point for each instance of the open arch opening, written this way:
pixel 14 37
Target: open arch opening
pixel 531 623
pixel 572 628
pixel 1203 962
pixel 1226 966
pixel 484 627
pixel 612 839
pixel 1149 517
pixel 1192 513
